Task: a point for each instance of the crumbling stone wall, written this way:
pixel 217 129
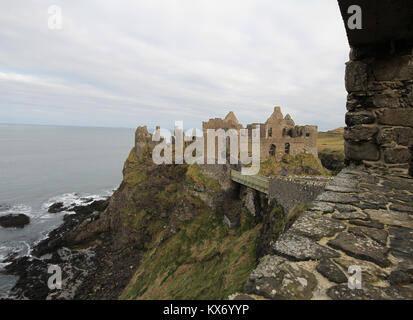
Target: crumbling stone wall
pixel 278 135
pixel 379 81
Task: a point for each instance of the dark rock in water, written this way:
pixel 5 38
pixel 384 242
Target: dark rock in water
pixel 33 276
pixel 98 205
pixel 56 207
pixel 14 221
pixel 56 238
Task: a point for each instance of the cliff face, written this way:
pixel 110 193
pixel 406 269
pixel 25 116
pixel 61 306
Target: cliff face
pixel 164 231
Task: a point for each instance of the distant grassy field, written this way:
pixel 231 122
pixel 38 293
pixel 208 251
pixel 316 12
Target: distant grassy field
pixel 331 141
pixel 331 149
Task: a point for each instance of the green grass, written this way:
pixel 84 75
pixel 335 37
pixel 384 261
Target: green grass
pixel 331 141
pixel 199 258
pixel 194 176
pixel 302 164
pixel 204 260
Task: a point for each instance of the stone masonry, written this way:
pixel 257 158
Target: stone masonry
pixel 361 219
pixel 379 81
pixel 379 120
pixel 278 135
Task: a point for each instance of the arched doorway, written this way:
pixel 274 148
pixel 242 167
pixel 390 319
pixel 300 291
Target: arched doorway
pixel 273 150
pixel 287 148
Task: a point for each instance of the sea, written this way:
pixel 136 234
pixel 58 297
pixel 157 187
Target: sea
pixel 41 165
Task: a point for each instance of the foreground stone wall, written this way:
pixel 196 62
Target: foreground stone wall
pixel 379 80
pixel 361 220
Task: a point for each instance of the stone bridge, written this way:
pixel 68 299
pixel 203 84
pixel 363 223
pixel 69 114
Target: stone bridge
pixel 287 191
pixel 256 182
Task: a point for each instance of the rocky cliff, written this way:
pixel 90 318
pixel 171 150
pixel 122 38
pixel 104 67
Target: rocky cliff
pixel 163 234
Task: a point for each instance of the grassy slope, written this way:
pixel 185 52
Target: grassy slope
pixel 204 260
pixel 302 164
pixel 199 258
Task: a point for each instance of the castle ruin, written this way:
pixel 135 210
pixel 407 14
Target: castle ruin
pixel 278 135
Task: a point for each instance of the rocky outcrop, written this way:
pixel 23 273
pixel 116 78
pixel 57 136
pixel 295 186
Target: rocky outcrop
pixel 76 265
pixel 56 207
pixel 14 221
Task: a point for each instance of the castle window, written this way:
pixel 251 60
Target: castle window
pixel 307 134
pixel 270 132
pixel 287 148
pixel 273 150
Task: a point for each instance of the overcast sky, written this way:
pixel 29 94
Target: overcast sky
pixel 128 63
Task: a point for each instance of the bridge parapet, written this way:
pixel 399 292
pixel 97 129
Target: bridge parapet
pixel 255 182
pixel 288 191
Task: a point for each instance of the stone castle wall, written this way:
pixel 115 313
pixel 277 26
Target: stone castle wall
pixel 282 134
pixel 379 81
pixel 278 135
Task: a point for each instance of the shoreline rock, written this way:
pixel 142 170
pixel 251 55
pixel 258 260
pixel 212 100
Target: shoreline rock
pixel 75 264
pixel 57 207
pixel 14 221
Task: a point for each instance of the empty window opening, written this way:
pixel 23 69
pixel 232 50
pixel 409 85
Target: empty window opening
pixel 287 148
pixel 273 150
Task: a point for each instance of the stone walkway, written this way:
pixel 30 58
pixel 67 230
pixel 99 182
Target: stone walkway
pixel 361 219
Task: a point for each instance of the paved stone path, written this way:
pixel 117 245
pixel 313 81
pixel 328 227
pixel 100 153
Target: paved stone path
pixel 362 219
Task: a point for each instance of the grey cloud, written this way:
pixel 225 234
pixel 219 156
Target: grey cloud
pixel 153 62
